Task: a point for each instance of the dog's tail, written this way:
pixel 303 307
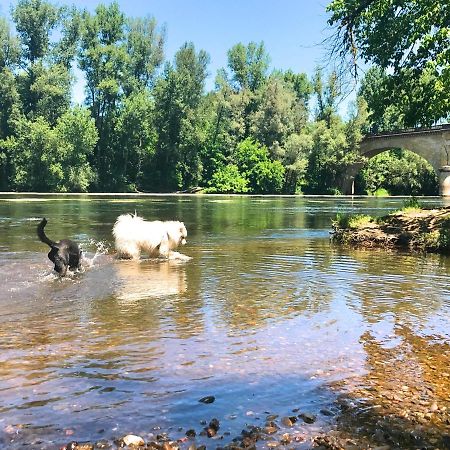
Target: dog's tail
pixel 41 233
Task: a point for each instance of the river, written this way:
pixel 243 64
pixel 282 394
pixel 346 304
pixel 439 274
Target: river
pixel 268 317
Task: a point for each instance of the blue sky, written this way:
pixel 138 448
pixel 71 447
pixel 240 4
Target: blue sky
pixel 292 31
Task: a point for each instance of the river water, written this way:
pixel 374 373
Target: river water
pixel 268 316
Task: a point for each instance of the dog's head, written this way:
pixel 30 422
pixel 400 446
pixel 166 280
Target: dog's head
pixel 177 233
pixel 183 234
pixel 60 260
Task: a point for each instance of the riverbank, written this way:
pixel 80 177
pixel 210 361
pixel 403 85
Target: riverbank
pixel 411 228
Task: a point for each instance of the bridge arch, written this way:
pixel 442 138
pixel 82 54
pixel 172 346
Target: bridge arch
pixel 432 144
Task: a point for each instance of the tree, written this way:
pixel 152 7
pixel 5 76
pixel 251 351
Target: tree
pixel 248 65
pixel 327 96
pixel 228 180
pixel 44 83
pixel 278 115
pixel 411 38
pixel 145 48
pixel 34 20
pixel 135 140
pixel 76 136
pixel 399 172
pixel 375 90
pixel 300 85
pixel 334 150
pixel 264 175
pixel 102 58
pixel 53 159
pixel 295 160
pixel 178 95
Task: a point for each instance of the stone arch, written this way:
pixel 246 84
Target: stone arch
pixel 431 146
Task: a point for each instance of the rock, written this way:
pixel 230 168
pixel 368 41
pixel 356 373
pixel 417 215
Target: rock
pixel 71 446
pixel 208 399
pixel 214 424
pixel 154 446
pixel 286 439
pixel 133 440
pixel 307 417
pixel 190 433
pixel 270 430
pixel 211 432
pixel 271 417
pixel 326 412
pixel 103 444
pixel 286 421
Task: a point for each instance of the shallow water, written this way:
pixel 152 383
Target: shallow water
pixel 265 317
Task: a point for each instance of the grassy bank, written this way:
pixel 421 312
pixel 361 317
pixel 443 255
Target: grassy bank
pixel 412 227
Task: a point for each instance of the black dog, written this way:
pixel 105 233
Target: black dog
pixel 64 254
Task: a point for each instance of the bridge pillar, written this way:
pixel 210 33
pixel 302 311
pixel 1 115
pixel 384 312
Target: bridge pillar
pixel 444 181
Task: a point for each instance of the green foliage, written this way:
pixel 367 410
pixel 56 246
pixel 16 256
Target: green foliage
pixel 156 130
pixel 9 46
pixel 178 96
pixel 265 176
pixel 278 115
pixel 329 159
pixel 412 203
pixel 355 221
pixel 34 20
pixel 53 159
pixel 135 140
pixel 228 180
pixel 253 170
pixel 444 236
pixel 411 39
pixel 381 192
pixel 76 137
pixel 295 160
pixel 248 65
pixel 400 172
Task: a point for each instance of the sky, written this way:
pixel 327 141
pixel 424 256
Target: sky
pixel 292 30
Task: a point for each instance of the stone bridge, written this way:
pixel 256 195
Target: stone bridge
pixel 433 144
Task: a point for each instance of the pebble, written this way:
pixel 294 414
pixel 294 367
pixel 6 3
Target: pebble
pixel 286 421
pixel 133 440
pixel 208 399
pixel 307 417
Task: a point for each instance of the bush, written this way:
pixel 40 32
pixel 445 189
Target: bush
pixel 267 177
pixel 228 180
pixel 352 221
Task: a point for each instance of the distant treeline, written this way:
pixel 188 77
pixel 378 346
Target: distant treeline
pixel 148 125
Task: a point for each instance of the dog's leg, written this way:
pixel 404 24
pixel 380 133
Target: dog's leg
pixel 164 249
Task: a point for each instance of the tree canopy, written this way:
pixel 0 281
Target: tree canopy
pixel 148 123
pixel 410 41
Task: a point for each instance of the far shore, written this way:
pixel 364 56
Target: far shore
pixel 200 194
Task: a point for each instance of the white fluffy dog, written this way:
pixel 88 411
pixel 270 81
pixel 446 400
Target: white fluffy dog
pixel 134 235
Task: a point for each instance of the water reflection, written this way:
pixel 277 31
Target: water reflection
pixel 267 315
pixel 142 280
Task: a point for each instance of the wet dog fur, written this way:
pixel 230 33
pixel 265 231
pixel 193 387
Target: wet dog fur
pixel 134 235
pixel 64 254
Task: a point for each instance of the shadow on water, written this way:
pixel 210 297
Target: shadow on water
pixel 268 317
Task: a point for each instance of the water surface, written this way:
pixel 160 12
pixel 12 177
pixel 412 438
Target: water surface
pixel 266 317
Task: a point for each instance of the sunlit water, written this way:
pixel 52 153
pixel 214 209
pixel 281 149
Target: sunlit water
pixel 265 316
